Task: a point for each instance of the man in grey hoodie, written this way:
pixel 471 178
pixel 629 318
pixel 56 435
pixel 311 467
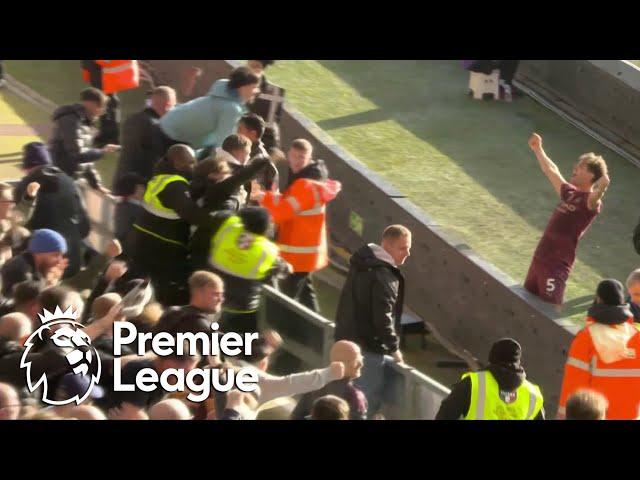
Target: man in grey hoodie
pixel 204 122
pixel 370 308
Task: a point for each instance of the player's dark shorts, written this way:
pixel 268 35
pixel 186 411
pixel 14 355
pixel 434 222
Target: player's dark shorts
pixel 547 282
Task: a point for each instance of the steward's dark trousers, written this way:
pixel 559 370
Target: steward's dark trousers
pixel 165 264
pixel 299 287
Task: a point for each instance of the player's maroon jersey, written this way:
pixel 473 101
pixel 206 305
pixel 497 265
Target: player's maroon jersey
pixel 569 221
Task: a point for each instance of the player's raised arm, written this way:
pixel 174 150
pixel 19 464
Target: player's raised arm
pixel 549 168
pixel 599 188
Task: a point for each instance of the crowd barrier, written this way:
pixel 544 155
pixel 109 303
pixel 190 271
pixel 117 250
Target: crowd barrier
pixel 307 336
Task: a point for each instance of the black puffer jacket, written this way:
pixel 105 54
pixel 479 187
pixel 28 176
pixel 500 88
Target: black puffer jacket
pixel 370 306
pixel 18 269
pixel 59 207
pixel 138 154
pixel 226 194
pixel 268 177
pixel 71 143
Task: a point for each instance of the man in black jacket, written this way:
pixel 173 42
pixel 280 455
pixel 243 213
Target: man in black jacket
pixel 59 205
pixel 504 366
pixel 370 308
pixel 73 134
pixel 268 104
pixel 138 154
pixel 253 127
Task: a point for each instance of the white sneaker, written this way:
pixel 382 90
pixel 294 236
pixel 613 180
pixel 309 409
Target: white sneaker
pixel 3 83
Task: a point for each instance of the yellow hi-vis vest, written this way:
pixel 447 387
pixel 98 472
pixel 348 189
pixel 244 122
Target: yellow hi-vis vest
pixel 152 204
pixel 487 403
pixel 240 253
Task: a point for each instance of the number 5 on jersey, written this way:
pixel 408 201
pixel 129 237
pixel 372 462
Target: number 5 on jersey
pixel 551 286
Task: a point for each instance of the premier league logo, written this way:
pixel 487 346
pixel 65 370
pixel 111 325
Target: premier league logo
pixel 61 330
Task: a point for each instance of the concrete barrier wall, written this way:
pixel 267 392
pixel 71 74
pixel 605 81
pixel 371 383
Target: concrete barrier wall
pixel 604 95
pixel 466 299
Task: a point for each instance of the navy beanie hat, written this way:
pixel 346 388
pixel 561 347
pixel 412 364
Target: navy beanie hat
pixel 35 154
pixel 505 351
pixel 255 219
pixel 47 241
pixel 611 292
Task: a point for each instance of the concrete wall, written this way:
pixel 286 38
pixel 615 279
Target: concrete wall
pixel 604 95
pixel 466 299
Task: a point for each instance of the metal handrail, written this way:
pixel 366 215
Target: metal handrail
pixel 421 395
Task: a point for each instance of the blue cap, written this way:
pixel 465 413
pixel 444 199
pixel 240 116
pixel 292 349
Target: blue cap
pixel 47 241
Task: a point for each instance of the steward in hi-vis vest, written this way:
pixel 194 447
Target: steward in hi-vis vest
pixel 499 392
pixel 158 242
pixel 236 247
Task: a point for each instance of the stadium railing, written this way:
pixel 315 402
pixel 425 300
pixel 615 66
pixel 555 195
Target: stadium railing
pixel 306 335
pixel 309 337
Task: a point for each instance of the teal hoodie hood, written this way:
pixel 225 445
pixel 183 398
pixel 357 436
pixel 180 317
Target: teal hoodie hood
pixel 205 121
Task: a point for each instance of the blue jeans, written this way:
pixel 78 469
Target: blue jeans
pixel 373 381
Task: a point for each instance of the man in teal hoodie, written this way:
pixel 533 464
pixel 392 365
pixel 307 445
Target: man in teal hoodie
pixel 204 122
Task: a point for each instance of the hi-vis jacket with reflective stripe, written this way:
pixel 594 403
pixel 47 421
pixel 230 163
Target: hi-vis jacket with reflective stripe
pixel 487 404
pixel 605 358
pixel 237 252
pixel 299 214
pixel 158 220
pixel 117 75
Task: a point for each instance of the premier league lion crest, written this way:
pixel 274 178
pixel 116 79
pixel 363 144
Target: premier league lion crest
pixel 61 330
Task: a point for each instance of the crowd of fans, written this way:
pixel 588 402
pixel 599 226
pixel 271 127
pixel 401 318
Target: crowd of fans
pixel 200 225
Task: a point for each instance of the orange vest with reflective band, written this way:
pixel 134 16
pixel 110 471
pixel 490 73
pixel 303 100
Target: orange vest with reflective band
pixel 299 214
pixel 618 381
pixel 117 75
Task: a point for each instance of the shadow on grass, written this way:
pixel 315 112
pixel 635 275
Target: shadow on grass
pixel 488 140
pixel 361 118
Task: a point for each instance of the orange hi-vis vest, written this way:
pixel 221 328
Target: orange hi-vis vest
pixel 605 358
pixel 117 75
pixel 300 215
